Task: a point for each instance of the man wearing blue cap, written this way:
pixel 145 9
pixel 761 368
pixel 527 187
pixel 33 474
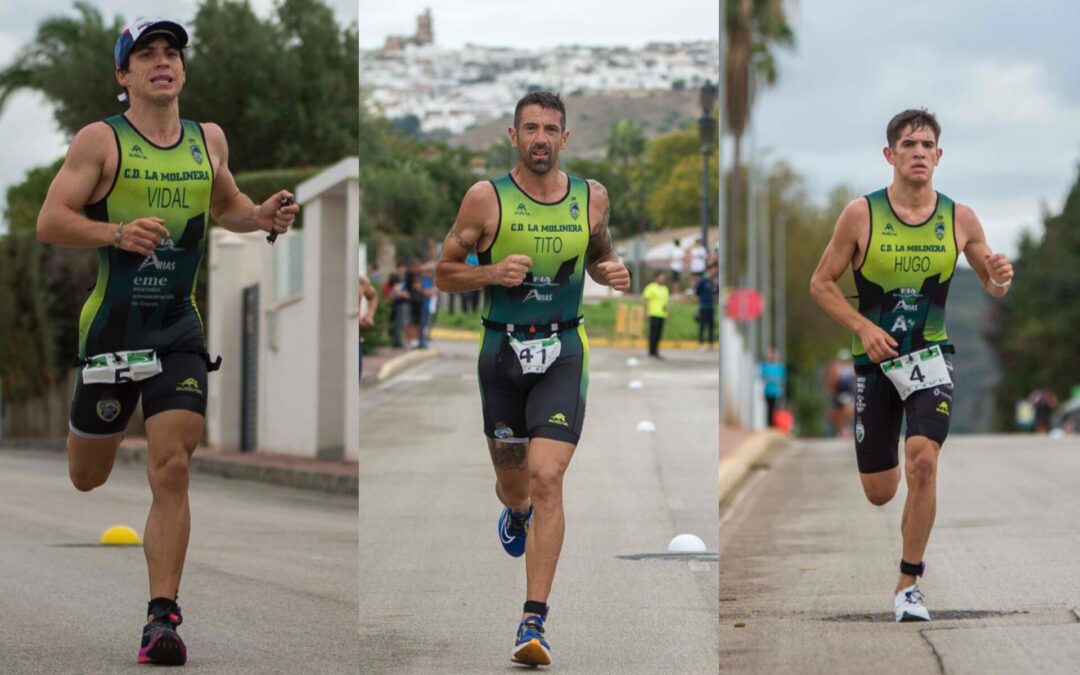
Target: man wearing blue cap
pixel 141 188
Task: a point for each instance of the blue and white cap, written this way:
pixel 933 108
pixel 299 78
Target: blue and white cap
pixel 143 28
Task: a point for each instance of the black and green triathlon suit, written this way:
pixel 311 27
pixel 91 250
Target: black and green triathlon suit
pixel 519 406
pixel 148 302
pixel 902 284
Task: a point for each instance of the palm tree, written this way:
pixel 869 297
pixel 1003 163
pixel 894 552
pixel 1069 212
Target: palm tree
pixel 68 62
pixel 753 28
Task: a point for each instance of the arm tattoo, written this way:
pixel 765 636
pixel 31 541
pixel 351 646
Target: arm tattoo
pixel 508 455
pixel 460 240
pixel 600 248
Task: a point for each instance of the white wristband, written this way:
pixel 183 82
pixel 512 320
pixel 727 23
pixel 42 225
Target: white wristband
pixel 999 285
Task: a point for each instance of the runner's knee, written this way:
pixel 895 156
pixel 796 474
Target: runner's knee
pixel 879 495
pixel 546 482
pixel 86 479
pixel 169 474
pixel 922 468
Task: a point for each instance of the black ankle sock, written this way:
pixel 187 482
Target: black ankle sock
pixel 536 607
pixel 166 605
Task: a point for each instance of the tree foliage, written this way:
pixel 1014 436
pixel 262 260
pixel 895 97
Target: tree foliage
pixel 1034 331
pixel 284 89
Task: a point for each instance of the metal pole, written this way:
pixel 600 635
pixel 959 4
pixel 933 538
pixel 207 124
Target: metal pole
pixel 766 272
pixel 721 230
pixel 706 150
pixel 781 290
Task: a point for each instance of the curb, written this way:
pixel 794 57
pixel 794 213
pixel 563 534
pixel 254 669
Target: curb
pixel 735 466
pixel 304 479
pixel 405 361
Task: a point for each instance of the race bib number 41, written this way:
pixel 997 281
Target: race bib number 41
pixel 918 370
pixel 535 356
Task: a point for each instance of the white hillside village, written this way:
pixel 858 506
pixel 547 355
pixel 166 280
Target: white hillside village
pixel 456 89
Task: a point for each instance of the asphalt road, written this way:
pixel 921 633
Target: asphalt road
pixel 438 594
pixel 270 583
pixel 808 565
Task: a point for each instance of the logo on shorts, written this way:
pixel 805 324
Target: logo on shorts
pixel 502 431
pixel 189 386
pixel 943 407
pixel 558 418
pixel 860 432
pixel 137 152
pixel 521 210
pixel 196 153
pixel 108 409
pixel 939 231
pixel 574 208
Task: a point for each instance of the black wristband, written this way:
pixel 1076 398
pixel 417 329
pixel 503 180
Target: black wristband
pixel 536 607
pixel 912 569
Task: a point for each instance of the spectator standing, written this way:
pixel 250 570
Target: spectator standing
pixel 706 291
pixel 774 374
pixel 656 296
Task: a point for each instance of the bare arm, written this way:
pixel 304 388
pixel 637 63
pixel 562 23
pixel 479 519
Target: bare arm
pixel 479 214
pixel 987 264
pixel 61 220
pixel 854 219
pixel 234 210
pixel 601 261
pixel 367 292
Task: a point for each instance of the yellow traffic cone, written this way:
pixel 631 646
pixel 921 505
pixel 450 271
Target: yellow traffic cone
pixel 120 535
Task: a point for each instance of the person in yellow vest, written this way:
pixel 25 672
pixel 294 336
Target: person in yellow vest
pixel 902 243
pixel 141 188
pixel 537 232
pixel 656 296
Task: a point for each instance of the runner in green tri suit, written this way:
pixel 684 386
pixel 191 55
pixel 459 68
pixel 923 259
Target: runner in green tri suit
pixel 537 232
pixel 902 243
pixel 141 188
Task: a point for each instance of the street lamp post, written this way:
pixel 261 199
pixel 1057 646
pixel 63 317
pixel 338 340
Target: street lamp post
pixel 707 128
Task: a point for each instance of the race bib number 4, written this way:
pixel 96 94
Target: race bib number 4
pixel 536 356
pixel 121 367
pixel 917 370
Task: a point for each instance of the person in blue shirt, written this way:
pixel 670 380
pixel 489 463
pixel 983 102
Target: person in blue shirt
pixel 774 374
pixel 705 290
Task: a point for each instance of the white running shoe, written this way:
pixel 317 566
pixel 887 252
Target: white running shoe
pixel 908 605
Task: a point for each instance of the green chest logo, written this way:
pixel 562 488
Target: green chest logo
pixel 939 230
pixel 137 152
pixel 521 210
pixel 575 210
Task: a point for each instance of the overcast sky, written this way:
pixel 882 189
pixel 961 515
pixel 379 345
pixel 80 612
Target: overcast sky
pixel 543 24
pixel 29 135
pixel 1003 78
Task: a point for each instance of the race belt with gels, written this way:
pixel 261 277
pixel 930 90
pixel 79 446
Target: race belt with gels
pixel 916 371
pixel 114 367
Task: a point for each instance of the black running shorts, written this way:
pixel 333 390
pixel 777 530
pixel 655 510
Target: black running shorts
pixel 547 405
pixel 103 410
pixel 879 412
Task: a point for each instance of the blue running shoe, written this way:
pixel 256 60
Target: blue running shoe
pixel 531 648
pixel 512 530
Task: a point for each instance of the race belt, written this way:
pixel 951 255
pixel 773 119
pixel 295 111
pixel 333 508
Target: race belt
pixel 916 371
pixel 114 367
pixel 551 327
